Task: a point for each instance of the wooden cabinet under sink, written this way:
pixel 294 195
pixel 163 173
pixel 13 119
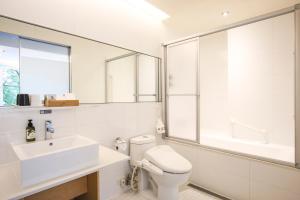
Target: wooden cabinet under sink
pixel 84 188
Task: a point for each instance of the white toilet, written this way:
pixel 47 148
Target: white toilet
pixel 168 169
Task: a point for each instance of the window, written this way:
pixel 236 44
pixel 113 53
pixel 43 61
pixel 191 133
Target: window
pixel 31 67
pixel 9 69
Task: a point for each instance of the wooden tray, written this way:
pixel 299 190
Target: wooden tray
pixel 61 103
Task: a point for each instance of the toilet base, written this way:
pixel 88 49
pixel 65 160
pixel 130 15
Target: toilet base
pixel 168 185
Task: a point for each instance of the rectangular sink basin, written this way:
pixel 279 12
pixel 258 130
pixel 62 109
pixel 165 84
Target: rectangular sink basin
pixel 44 160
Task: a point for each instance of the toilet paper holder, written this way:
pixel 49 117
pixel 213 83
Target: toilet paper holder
pixel 120 144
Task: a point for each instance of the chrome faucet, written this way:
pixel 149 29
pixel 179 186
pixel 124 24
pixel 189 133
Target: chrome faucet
pixel 49 130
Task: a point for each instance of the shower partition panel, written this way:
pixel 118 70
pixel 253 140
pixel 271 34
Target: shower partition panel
pixel 182 89
pixel 247 89
pixel 234 89
pixel 213 84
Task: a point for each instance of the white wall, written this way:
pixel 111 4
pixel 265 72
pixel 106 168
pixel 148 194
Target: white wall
pixel 110 180
pixel 103 122
pixel 110 21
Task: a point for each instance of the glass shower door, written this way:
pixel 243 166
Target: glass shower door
pixel 182 89
pixel 247 89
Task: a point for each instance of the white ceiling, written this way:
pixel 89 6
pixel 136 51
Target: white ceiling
pixel 193 16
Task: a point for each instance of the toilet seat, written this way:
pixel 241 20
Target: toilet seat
pixel 168 160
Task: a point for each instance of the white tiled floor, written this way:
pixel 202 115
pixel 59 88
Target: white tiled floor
pixel 188 194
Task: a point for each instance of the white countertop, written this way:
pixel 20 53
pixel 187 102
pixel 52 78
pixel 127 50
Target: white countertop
pixel 10 188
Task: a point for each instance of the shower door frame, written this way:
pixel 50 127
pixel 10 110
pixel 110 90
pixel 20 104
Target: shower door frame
pixel 294 9
pixel 297 86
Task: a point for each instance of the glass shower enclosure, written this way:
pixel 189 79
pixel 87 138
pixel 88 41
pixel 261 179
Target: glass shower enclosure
pixel 236 89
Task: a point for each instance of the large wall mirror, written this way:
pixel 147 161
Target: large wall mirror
pixel 37 60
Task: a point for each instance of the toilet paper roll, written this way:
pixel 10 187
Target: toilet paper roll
pixel 35 100
pixel 120 145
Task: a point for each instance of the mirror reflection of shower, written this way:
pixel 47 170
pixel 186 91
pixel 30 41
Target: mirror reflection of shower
pixel 132 77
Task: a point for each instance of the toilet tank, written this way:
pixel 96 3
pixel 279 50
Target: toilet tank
pixel 139 145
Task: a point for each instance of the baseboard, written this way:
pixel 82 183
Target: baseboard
pixel 207 191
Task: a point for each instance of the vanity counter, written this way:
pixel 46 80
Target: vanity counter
pixel 10 178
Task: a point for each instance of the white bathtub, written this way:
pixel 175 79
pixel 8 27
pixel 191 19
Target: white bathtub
pixel 271 151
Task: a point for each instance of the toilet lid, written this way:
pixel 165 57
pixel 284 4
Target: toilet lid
pixel 168 160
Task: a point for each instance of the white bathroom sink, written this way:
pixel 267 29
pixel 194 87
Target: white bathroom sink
pixel 44 160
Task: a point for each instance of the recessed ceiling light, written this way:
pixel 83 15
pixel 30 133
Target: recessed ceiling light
pixel 148 8
pixel 225 13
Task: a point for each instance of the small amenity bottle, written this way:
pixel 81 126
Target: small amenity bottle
pixel 30 132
